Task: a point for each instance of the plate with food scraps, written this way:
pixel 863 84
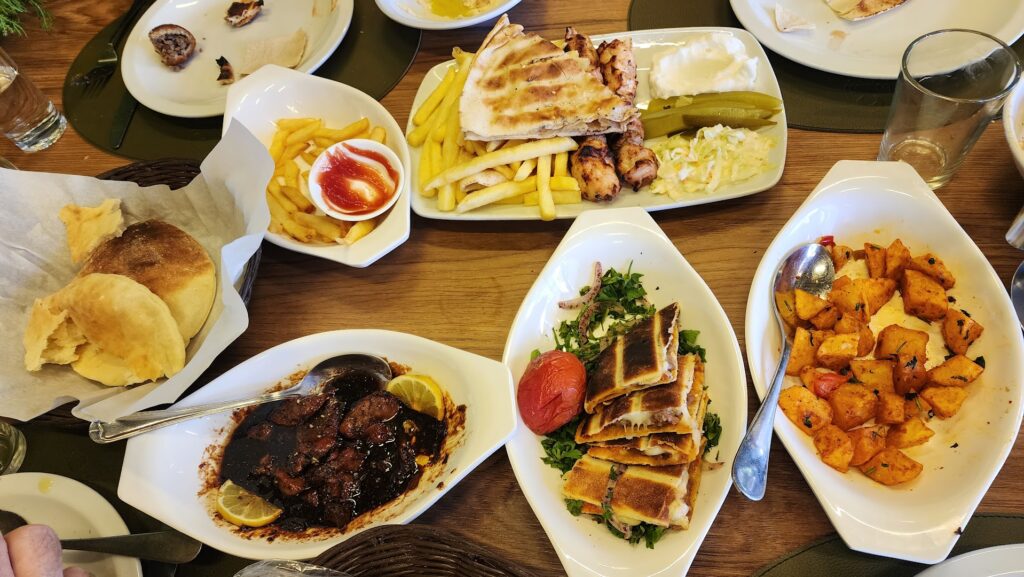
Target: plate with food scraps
pixel 756 157
pixel 266 102
pixel 642 271
pixel 206 45
pixel 443 14
pixel 941 333
pixel 866 43
pixel 179 474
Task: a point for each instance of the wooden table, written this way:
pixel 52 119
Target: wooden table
pixel 461 283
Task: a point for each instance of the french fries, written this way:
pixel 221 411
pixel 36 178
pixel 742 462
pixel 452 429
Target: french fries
pixel 534 149
pixel 545 201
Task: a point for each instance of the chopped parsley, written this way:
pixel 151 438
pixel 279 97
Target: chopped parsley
pixel 688 344
pixel 650 534
pixel 712 431
pixel 561 447
pixel 980 361
pixel 575 506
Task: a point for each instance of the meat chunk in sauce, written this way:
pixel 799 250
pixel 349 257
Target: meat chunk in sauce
pixel 294 411
pixel 316 437
pixel 375 408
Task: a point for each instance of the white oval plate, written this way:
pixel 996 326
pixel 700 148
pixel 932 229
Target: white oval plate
pixel 74 511
pixel 872 48
pixel 417 14
pixel 193 91
pixel 161 477
pixel 616 238
pixel 919 521
pixel 272 93
pixel 1004 561
pixel 645 45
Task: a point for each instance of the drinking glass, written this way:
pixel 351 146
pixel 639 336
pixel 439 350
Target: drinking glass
pixel 27 117
pixel 12 448
pixel 952 83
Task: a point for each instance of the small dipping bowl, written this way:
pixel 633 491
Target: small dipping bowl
pixel 345 185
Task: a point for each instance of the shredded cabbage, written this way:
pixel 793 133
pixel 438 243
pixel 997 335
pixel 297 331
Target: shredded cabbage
pixel 716 156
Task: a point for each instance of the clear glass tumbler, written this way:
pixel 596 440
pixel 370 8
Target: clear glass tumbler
pixel 952 83
pixel 27 117
pixel 12 448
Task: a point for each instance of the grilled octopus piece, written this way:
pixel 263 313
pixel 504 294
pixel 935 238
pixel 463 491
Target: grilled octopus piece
pixel 618 67
pixel 593 168
pixel 637 164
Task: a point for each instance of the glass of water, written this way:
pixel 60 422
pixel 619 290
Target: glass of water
pixel 12 448
pixel 952 83
pixel 27 117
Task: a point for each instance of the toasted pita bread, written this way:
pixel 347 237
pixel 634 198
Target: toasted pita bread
pixel 88 227
pixel 861 9
pixel 284 51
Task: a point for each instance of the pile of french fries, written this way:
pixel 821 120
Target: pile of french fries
pixel 464 175
pixel 296 144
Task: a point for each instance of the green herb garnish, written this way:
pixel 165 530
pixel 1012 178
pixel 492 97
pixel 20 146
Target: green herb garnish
pixel 11 12
pixel 980 361
pixel 561 448
pixel 688 344
pixel 713 431
pixel 575 506
pixel 534 354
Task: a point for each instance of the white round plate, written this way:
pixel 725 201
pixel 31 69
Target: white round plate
pixel 621 238
pixel 860 202
pixel 161 476
pixel 193 91
pixel 1004 561
pixel 74 511
pixel 417 14
pixel 873 47
pixel 272 93
pixel 646 44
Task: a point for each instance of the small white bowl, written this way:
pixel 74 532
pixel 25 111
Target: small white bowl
pixel 1013 125
pixel 316 192
pixel 417 14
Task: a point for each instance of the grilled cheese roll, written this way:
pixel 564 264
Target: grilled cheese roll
pixel 658 449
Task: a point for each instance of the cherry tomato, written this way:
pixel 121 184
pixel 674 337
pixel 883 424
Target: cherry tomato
pixel 824 383
pixel 551 391
pixel 827 240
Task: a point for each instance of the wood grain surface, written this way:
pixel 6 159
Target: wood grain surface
pixel 462 283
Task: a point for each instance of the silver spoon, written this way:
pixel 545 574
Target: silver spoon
pixel 808 267
pixel 1017 293
pixel 372 367
pixel 162 546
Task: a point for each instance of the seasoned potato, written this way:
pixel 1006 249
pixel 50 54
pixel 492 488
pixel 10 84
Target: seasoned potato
pixel 915 406
pixel 909 374
pixel 874 374
pixel 909 433
pixel 808 305
pixel 894 340
pixel 875 256
pixel 834 447
pixel 852 406
pixel 896 259
pixel 866 338
pixel 827 318
pixel 957 371
pixel 877 292
pixel 805 409
pixel 849 298
pixel 867 442
pixel 822 381
pixel 841 255
pixel 891 467
pixel 804 349
pixel 837 351
pixel 786 301
pixel 923 297
pixel 945 401
pixel 960 330
pixel 841 282
pixel 933 266
pixel 889 410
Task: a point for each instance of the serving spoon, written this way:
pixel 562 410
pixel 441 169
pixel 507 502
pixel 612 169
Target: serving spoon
pixel 311 384
pixel 809 267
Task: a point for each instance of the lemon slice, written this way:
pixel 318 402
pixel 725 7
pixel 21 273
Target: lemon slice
pixel 420 393
pixel 240 507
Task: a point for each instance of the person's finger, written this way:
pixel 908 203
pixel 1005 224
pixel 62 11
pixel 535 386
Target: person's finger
pixel 34 551
pixel 76 572
pixel 5 560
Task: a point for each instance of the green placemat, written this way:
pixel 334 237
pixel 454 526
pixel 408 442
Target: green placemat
pixel 373 57
pixel 831 557
pixel 815 100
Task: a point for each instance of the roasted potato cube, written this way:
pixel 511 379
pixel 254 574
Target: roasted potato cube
pixel 875 256
pixel 867 442
pixel 827 318
pixel 894 340
pixel 808 305
pixel 852 406
pixel 849 298
pixel 837 351
pixel 960 330
pixel 877 292
pixel 891 467
pixel 875 375
pixel 896 258
pixel 909 433
pixel 805 409
pixel 933 266
pixel 841 282
pixel 834 447
pixel 889 410
pixel 866 338
pixel 945 401
pixel 915 406
pixel 909 374
pixel 841 254
pixel 957 371
pixel 923 297
pixel 786 301
pixel 804 349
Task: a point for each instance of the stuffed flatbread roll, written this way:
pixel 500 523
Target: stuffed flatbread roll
pixel 659 449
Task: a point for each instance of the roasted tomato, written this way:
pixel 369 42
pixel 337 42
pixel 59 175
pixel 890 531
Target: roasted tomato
pixel 824 383
pixel 551 391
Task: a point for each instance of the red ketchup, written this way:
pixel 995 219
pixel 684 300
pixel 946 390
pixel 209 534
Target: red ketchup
pixel 357 181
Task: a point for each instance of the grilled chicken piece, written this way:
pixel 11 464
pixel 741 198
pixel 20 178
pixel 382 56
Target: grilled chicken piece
pixel 635 163
pixel 242 13
pixel 618 66
pixel 593 168
pixel 584 47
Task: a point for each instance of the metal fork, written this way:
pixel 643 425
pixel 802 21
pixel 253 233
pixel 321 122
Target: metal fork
pixel 97 76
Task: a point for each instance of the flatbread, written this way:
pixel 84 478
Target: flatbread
pixel 861 9
pixel 88 227
pixel 286 51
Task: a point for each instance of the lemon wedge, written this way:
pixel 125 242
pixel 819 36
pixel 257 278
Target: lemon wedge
pixel 420 393
pixel 240 507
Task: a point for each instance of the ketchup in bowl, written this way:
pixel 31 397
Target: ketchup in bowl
pixel 355 179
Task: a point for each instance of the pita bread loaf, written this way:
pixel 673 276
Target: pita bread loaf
pixel 87 227
pixel 169 262
pixel 284 51
pixel 861 9
pixel 521 86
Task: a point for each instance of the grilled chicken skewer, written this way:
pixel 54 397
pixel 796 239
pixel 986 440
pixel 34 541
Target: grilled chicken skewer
pixel 635 163
pixel 585 48
pixel 618 67
pixel 591 164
